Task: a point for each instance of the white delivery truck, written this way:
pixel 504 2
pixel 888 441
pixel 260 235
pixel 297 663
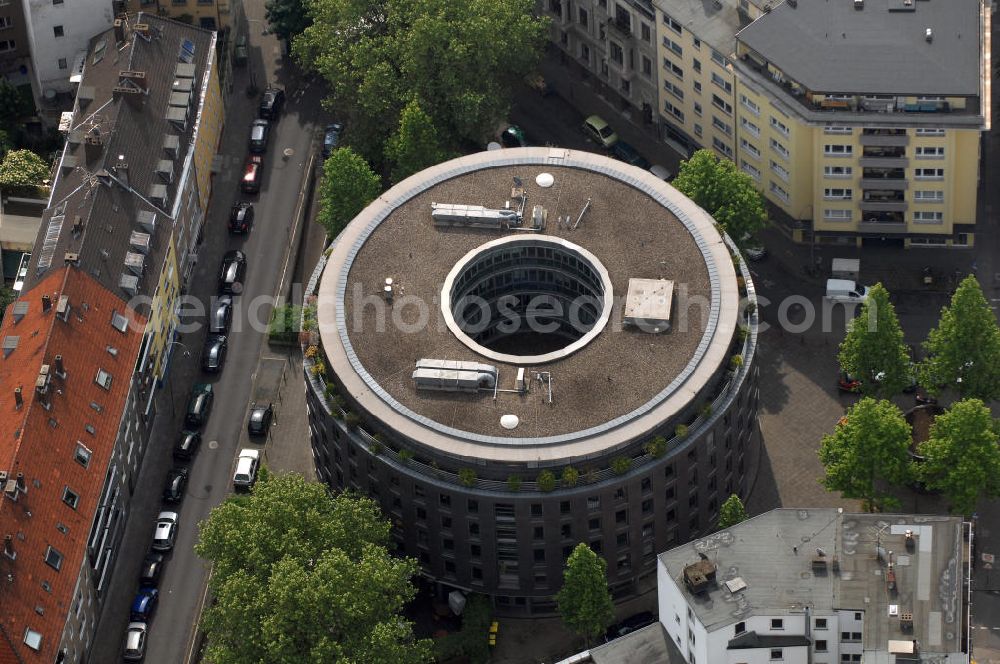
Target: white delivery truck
pixel 845 290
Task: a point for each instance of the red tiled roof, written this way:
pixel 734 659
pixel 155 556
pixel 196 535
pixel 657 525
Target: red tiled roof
pixel 41 444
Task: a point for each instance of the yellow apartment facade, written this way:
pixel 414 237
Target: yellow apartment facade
pixel 860 121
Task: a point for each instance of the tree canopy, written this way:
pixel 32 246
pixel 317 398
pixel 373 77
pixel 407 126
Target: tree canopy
pixel 23 168
pixel 300 576
pixel 415 145
pixel 725 192
pixel 963 351
pixel 584 600
pixel 961 456
pixel 732 512
pixel 867 451
pixel 458 60
pixel 873 350
pixel 348 185
pixel 287 18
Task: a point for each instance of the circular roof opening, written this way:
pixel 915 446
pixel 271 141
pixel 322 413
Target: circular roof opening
pixel 527 299
pixel 544 180
pixel 509 421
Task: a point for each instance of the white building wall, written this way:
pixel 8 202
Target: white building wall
pixel 850 634
pixel 78 20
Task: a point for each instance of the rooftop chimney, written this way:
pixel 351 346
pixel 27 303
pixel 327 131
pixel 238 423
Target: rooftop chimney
pixel 929 35
pixel 60 369
pixel 46 303
pixel 121 169
pixel 8 546
pixel 119 30
pixel 18 399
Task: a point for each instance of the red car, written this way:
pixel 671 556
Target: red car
pixel 253 172
pixel 848 383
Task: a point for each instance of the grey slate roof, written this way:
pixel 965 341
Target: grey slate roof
pixel 89 187
pixel 773 555
pixel 829 46
pixel 714 24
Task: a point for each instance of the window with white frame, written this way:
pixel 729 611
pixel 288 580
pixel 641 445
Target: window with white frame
pixel 722 104
pixel 673 69
pixel 696 63
pixel 673 110
pixel 838 150
pixel 672 24
pixel 778 191
pixel 718 58
pixel 697 108
pixel 697 87
pixel 721 126
pixel 929 173
pixel 721 82
pixel 838 194
pixel 838 171
pixel 673 89
pixel 751 149
pixel 930 152
pixel 779 125
pixel 931 242
pixel 750 168
pixel 928 196
pixel 925 131
pixel 779 148
pixel 697 129
pixel 922 217
pixel 750 104
pixel 672 45
pixel 696 42
pixel 750 127
pixel 837 215
pixel 780 170
pixel 830 129
pixel 722 147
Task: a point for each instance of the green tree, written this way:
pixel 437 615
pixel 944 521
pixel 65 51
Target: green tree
pixel 725 192
pixel 348 185
pixel 7 295
pixel 287 18
pixel 961 456
pixel 963 351
pixel 732 512
pixel 584 601
pixel 415 145
pixel 13 105
pixel 300 576
pixel 873 350
pixel 868 450
pixel 21 168
pixel 459 60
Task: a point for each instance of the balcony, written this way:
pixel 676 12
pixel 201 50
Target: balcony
pixel 895 184
pixel 882 227
pixel 885 137
pixel 620 27
pixel 882 205
pixel 883 157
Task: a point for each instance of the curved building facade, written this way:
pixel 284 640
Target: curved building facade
pixel 520 350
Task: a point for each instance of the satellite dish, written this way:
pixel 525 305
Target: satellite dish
pixel 493 145
pixel 544 180
pixel 509 421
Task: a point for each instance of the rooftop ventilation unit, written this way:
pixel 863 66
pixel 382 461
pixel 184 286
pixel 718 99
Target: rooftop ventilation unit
pixel 648 304
pixel 146 220
pixel 184 70
pixel 171 145
pixel 140 241
pixel 165 170
pixel 68 163
pixel 129 283
pixel 180 99
pixel 736 585
pixel 65 122
pixel 135 262
pixel 158 195
pixel 475 216
pixel 929 35
pixel 183 85
pixel 699 576
pixel 43 379
pixel 859 4
pixel 178 117
pixel 454 376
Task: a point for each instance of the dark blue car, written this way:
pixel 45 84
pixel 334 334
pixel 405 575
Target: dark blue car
pixel 144 604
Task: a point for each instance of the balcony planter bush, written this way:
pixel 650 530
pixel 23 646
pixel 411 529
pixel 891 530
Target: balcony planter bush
pixel 656 447
pixel 514 483
pixel 467 477
pixel 681 431
pixel 352 419
pixel 620 465
pixel 546 481
pixel 405 455
pixel 570 476
pixel 735 362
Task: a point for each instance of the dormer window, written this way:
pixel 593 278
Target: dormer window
pixel 103 379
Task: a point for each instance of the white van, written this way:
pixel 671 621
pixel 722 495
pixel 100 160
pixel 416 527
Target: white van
pixel 845 290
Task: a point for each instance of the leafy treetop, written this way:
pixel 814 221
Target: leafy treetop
pixel 348 185
pixel 584 601
pixel 873 350
pixel 732 512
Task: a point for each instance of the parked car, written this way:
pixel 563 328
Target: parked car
pixel 260 418
pixel 152 568
pixel 220 318
pixel 754 250
pixel 629 625
pixel 271 103
pixel 241 218
pixel 260 130
pixel 246 469
pixel 213 355
pixel 187 445
pixel 199 405
pixel 144 604
pixel 513 137
pixel 173 491
pixel 599 131
pixel 233 272
pixel 622 151
pixel 661 172
pixel 135 642
pixel 166 531
pixel 847 383
pixel 846 290
pixel 253 172
pixel 331 138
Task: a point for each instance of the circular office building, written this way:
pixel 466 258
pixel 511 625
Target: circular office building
pixel 525 349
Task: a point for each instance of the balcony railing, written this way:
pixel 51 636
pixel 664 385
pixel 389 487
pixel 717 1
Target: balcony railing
pixel 896 184
pixel 883 162
pixel 883 205
pixel 622 28
pixel 882 227
pixel 885 140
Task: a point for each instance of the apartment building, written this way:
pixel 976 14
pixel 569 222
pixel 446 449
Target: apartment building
pixel 817 586
pixel 15 54
pixel 859 121
pixel 88 340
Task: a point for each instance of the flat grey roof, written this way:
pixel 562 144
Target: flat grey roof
pixel 773 554
pixel 649 645
pixel 833 47
pixel 714 24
